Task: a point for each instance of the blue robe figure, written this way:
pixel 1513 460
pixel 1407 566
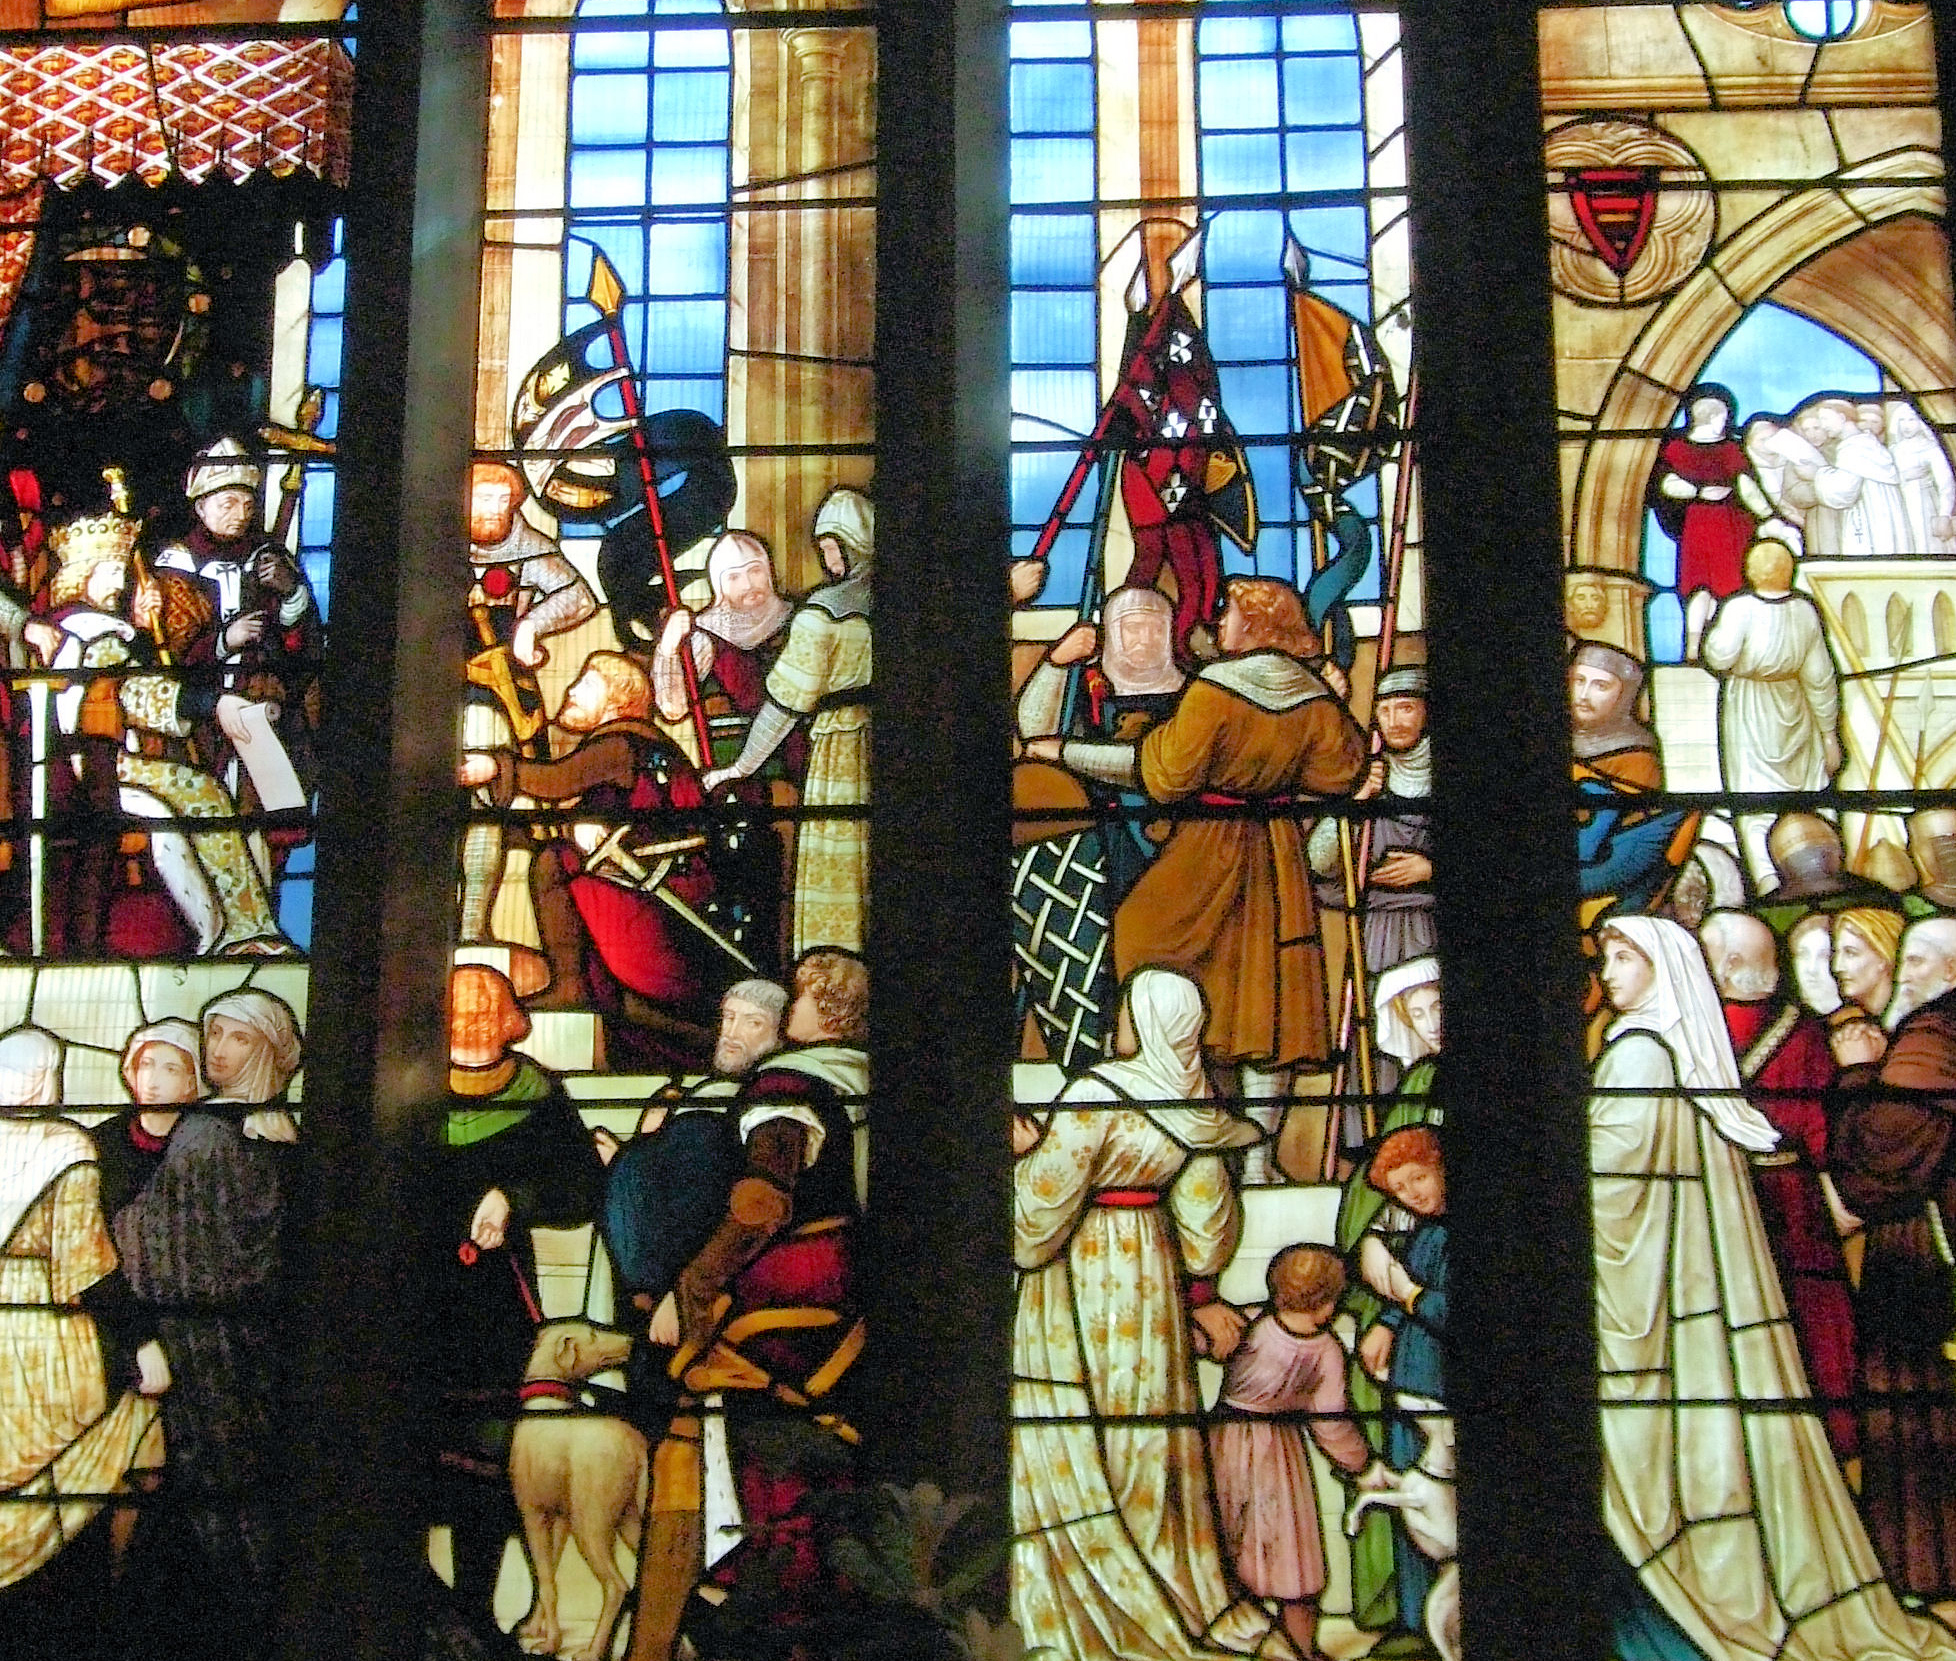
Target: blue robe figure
pixel 1418 1368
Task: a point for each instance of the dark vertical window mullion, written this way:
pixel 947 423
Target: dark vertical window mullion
pixel 376 1046
pixel 1522 1362
pixel 939 943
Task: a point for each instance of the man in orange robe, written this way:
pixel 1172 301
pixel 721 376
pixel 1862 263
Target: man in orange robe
pixel 1228 900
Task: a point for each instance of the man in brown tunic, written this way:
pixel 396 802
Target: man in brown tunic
pixel 1893 1152
pixel 1228 900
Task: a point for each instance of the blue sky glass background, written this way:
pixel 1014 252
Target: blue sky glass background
pixel 1280 128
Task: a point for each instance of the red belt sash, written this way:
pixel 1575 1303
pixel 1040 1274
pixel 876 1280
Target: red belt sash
pixel 1128 1199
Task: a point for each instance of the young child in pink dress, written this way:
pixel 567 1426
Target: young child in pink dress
pixel 1285 1375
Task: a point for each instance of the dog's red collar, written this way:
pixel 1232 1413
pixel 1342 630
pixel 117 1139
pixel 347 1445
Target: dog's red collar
pixel 554 1389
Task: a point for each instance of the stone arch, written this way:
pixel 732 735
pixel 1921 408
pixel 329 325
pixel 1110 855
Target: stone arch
pixel 1606 522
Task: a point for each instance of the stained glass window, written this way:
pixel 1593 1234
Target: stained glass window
pixel 1754 338
pixel 655 1153
pixel 170 353
pixel 1229 1316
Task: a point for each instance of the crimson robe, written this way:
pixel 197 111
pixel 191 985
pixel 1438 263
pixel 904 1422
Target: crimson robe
pixel 1784 1059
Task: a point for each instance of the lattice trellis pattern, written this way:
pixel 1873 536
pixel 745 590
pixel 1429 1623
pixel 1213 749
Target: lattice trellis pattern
pixel 1060 941
pixel 17 208
pixel 191 109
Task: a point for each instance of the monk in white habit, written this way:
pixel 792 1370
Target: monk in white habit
pixel 66 1439
pixel 1928 481
pixel 1732 1512
pixel 1123 1215
pixel 1779 701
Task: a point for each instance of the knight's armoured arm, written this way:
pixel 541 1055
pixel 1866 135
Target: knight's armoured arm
pixel 1042 700
pixel 563 598
pixel 758 1209
pixel 770 730
pixel 1104 763
pixel 669 680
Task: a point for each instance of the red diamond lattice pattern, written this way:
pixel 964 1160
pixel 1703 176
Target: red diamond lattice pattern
pixel 192 108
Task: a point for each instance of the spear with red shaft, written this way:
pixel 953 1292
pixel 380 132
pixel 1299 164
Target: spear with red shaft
pixel 607 293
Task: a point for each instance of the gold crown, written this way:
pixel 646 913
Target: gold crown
pixel 99 537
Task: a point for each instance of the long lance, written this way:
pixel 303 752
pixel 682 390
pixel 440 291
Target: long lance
pixel 607 293
pixel 1095 443
pixel 1355 1018
pixel 1093 581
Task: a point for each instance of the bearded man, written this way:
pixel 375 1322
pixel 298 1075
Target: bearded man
pixel 1628 855
pixel 1893 1153
pixel 666 1189
pixel 734 643
pixel 1397 901
pixel 613 943
pixel 116 700
pixel 823 676
pixel 784 1241
pixel 1784 1060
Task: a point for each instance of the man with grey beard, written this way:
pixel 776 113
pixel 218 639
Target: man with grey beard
pixel 1928 966
pixel 667 1188
pixel 1782 1052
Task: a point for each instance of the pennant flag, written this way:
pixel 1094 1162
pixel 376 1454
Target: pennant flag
pixel 1184 475
pixel 1345 392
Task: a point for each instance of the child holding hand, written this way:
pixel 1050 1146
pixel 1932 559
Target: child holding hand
pixel 1284 1375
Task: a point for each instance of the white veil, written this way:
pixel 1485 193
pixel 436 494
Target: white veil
pixel 1168 1017
pixel 1682 1011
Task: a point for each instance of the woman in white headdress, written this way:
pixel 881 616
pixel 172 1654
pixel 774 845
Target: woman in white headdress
pixel 252 1047
pixel 735 640
pixel 823 676
pixel 201 1243
pixel 68 1436
pixel 1744 1538
pixel 1123 1214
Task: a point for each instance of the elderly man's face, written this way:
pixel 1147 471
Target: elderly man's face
pixel 1593 694
pixel 228 512
pixel 1927 970
pixel 1142 636
pixel 747 1033
pixel 1402 720
pixel 1862 973
pixel 482 1020
pixel 103 590
pixel 228 1050
pixel 163 1076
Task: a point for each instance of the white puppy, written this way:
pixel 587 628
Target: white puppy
pixel 1424 1498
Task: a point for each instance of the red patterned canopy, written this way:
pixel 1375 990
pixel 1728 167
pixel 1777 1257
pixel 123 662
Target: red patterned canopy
pixel 190 108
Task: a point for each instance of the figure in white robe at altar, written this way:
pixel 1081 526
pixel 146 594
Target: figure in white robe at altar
pixel 1120 1211
pixel 1744 1538
pixel 1928 481
pixel 1779 699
